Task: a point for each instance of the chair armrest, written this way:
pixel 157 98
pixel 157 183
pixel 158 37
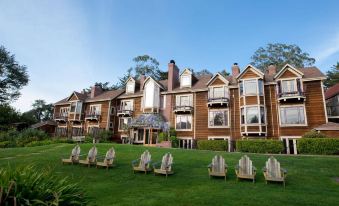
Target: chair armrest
pixel 283 170
pixel 156 164
pixel 254 168
pixel 226 166
pixel 134 162
pixel 236 167
pixel 210 165
pixel 264 169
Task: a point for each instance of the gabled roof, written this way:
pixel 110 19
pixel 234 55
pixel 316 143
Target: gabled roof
pixel 187 69
pixel 290 68
pixel 156 82
pixel 255 70
pixel 130 78
pixel 332 91
pixel 328 126
pixel 79 96
pixel 222 78
pixel 40 124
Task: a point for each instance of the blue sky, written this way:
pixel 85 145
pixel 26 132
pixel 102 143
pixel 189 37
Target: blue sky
pixel 69 45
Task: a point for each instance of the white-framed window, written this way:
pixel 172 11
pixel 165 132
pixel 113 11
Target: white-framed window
pixel 218 118
pixel 75 107
pixel 124 122
pixel 253 115
pixel 289 85
pixel 130 86
pixel 184 100
pixel 162 101
pixel 183 122
pixel 95 109
pixel 251 87
pixel 218 92
pixel 186 80
pixel 293 115
pixel 64 111
pixel 126 105
pixel 151 95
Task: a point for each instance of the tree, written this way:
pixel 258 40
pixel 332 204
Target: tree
pixel 41 111
pixel 8 115
pixel 146 65
pixel 13 77
pixel 224 73
pixel 281 54
pixel 332 76
pixel 202 72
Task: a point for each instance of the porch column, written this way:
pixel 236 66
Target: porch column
pixel 151 136
pixel 144 136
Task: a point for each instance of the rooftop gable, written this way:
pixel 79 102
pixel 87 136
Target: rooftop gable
pixel 250 68
pixel 291 69
pixel 217 76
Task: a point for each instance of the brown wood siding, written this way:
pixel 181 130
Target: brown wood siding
pixel 235 114
pixel 217 81
pixel 73 97
pixel 202 130
pixel 249 74
pixel 314 111
pixel 287 74
pixel 272 120
pixel 251 100
pixel 57 108
pixel 331 133
pixel 137 111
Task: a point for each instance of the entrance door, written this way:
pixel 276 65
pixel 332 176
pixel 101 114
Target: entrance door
pixel 147 136
pixel 290 145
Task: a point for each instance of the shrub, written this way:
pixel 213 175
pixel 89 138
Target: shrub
pixel 172 132
pixel 39 143
pixel 30 135
pixel 4 144
pixel 175 142
pixel 31 186
pixel 314 134
pixel 325 146
pixel 260 146
pixel 216 145
pixel 104 136
pixel 162 137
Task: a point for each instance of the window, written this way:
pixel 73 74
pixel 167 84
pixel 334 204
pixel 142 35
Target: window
pixel 183 122
pixel 218 92
pixel 185 81
pixel 79 107
pixel 151 94
pixel 112 110
pixel 183 100
pixel 241 85
pixel 124 122
pixel 130 87
pixel 288 86
pixel 73 105
pixel 95 109
pixel 64 111
pixel 253 115
pixel 218 118
pixel 261 87
pixel 163 102
pixel 292 115
pixel 127 105
pixel 76 107
pixel 251 87
pixel 111 125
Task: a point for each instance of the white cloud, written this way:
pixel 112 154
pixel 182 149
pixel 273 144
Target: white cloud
pixel 327 49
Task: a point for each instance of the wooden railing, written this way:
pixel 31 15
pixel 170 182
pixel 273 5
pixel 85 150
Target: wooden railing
pixel 93 115
pixel 291 94
pixel 61 116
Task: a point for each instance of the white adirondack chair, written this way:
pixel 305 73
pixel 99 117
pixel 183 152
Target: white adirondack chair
pixel 218 167
pixel 91 157
pixel 142 164
pixel 74 158
pixel 165 165
pixel 245 169
pixel 273 172
pixel 109 159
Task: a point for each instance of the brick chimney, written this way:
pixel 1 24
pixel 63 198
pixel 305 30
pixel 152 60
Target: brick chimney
pixel 142 80
pixel 173 76
pixel 235 70
pixel 271 70
pixel 95 91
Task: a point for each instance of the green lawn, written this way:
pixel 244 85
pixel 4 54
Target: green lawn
pixel 310 181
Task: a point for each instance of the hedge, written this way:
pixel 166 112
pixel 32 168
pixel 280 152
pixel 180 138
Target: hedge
pixel 216 145
pixel 324 146
pixel 260 146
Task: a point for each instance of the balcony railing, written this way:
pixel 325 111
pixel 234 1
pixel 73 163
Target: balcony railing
pixel 218 101
pixel 61 116
pixel 125 111
pixel 299 95
pixel 93 115
pixel 183 109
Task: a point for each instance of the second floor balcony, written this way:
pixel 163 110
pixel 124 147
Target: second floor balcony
pixel 183 109
pixel 61 117
pixel 217 100
pixel 285 96
pixel 93 115
pixel 125 112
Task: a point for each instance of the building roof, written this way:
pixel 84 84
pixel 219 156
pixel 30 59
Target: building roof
pixel 328 126
pixel 40 124
pixel 332 91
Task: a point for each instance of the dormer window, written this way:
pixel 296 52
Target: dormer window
pixel 130 86
pixel 76 107
pixel 186 81
pixel 251 87
pixel 288 86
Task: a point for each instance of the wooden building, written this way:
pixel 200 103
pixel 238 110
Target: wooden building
pixel 247 104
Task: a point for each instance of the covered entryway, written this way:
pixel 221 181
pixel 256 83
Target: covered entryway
pixel 290 144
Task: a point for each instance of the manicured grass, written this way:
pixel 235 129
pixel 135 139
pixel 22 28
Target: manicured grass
pixel 310 181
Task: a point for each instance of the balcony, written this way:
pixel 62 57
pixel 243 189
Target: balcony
pixel 183 109
pixel 125 112
pixel 218 101
pixel 61 117
pixel 291 96
pixel 93 116
pixel 75 117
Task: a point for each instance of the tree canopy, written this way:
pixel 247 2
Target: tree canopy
pixel 332 76
pixel 279 55
pixel 13 76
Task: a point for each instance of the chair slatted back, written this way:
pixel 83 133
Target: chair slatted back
pixel 145 158
pixel 75 153
pixel 273 168
pixel 92 154
pixel 166 162
pixel 110 155
pixel 218 164
pixel 245 166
